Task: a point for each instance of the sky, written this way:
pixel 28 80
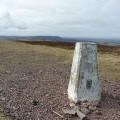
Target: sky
pixel 66 18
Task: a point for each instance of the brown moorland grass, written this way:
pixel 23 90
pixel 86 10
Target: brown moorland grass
pixel 108 56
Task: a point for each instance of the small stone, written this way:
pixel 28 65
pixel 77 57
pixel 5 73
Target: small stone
pixel 7 72
pixel 35 102
pixel 81 115
pixel 68 111
pixel 1 89
pixel 98 112
pixel 86 104
pixel 98 106
pixel 30 72
pixel 92 108
pixel 72 104
pixel 95 103
pixel 76 108
pixel 85 110
pixel 14 107
pixel 2 98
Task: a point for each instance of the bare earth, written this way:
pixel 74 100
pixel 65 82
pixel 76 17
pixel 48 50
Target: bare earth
pixel 34 80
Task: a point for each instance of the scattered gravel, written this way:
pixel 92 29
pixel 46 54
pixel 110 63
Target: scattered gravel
pixel 31 91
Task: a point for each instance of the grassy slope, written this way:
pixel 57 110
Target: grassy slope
pixel 109 63
pixel 109 66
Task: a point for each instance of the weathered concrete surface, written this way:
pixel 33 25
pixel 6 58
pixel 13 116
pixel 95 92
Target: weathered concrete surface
pixel 84 84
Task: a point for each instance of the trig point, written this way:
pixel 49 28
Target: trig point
pixel 84 84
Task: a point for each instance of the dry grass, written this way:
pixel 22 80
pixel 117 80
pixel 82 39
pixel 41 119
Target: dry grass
pixel 109 66
pixel 108 58
pixel 11 49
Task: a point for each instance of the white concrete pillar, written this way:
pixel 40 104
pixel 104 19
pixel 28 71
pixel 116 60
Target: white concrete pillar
pixel 84 84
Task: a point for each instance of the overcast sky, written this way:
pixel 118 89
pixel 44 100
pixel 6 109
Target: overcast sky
pixel 71 18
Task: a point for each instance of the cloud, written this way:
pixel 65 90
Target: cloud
pixel 6 21
pixel 72 18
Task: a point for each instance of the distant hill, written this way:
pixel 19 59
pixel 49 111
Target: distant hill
pixel 31 38
pixel 61 39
